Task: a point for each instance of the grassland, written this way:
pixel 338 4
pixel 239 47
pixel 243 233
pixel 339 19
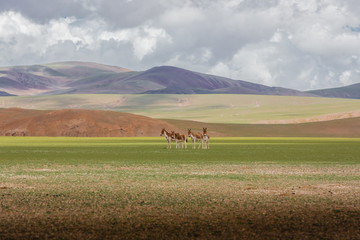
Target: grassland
pixel 218 108
pixel 349 128
pixel 135 188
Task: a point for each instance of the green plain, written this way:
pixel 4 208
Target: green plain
pixel 152 150
pixel 135 188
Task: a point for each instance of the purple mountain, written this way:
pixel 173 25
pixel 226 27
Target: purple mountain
pixel 92 78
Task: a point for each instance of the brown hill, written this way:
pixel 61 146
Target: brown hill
pixel 78 123
pixel 96 123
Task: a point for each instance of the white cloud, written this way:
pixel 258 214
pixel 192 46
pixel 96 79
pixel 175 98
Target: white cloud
pixel 60 30
pixel 345 78
pixel 310 48
pixel 26 37
pixel 19 32
pixel 182 16
pixel 144 39
pixel 146 43
pixel 253 63
pixel 91 5
pixel 221 69
pixel 12 24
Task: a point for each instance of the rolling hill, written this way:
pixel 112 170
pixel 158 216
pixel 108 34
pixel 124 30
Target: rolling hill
pixel 37 79
pixel 2 93
pixel 78 123
pixel 210 108
pixel 93 78
pixel 351 91
pixel 95 123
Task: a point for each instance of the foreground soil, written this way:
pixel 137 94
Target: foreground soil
pixel 257 213
pixel 78 123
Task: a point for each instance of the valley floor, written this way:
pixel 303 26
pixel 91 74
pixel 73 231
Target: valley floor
pixel 211 108
pixel 341 128
pixel 135 188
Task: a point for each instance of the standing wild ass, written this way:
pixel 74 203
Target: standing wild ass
pixel 179 138
pixel 195 137
pixel 167 136
pixel 206 139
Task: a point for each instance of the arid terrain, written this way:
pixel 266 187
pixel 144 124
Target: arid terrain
pixel 78 123
pixel 96 123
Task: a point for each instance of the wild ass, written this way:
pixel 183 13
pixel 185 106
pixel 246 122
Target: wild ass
pixel 206 139
pixel 167 136
pixel 195 137
pixel 179 138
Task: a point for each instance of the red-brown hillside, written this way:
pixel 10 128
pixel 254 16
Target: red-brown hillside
pixel 96 123
pixel 78 123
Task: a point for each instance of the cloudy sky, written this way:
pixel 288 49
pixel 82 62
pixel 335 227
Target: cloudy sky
pixel 300 44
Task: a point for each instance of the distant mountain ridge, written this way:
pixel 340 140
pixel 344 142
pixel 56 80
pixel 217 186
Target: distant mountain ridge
pixel 38 79
pixel 351 91
pixel 2 93
pixel 93 78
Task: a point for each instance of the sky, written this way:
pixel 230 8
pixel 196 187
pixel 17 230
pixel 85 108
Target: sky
pixel 298 44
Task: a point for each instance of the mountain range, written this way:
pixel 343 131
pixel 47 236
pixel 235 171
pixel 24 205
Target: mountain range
pixel 91 78
pixel 2 93
pixel 351 91
pixel 94 78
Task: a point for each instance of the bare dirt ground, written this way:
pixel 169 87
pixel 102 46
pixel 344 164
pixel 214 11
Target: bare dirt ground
pixel 266 202
pixel 78 123
pixel 96 123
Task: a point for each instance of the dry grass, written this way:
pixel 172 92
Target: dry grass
pixel 209 108
pixel 246 201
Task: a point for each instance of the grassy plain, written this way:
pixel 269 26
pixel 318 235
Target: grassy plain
pixel 210 108
pixel 344 128
pixel 135 188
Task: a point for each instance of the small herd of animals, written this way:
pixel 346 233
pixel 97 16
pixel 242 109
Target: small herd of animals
pixel 201 138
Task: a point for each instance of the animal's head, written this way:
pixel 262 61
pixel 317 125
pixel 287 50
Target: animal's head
pixel 189 132
pixel 162 132
pixel 204 132
pixel 172 135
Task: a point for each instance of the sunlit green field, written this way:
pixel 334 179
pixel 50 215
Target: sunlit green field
pixel 218 108
pixel 135 188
